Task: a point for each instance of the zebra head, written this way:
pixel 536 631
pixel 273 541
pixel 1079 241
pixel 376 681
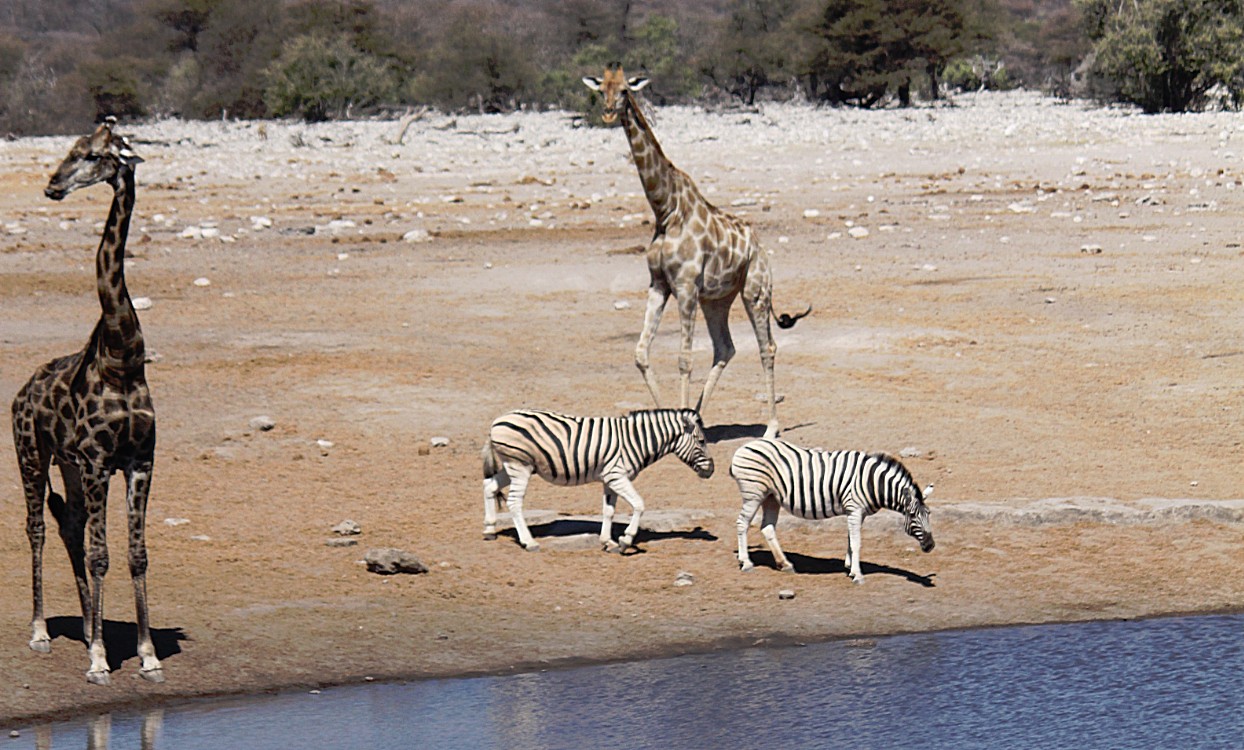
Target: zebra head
pixel 917 514
pixel 692 447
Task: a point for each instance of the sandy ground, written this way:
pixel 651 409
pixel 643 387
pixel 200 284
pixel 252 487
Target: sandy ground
pixel 1047 305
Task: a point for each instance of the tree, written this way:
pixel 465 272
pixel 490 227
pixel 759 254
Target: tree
pixel 759 45
pixel 866 48
pixel 321 77
pixel 1167 55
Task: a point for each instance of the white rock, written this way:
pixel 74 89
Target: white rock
pixel 911 452
pixel 324 444
pixel 192 233
pixel 684 578
pixel 208 233
pixel 260 222
pixel 201 538
pixel 141 303
pixel 1022 208
pixel 811 213
pixel 263 423
pixel 417 235
pixel 786 594
pixel 202 281
pixel 347 528
pixel 858 232
pixel 1091 249
pixel 176 521
pixel 621 305
pixel 439 441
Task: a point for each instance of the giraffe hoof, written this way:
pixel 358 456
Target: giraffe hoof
pixel 788 568
pixel 99 678
pixel 490 537
pixel 42 645
pixel 152 675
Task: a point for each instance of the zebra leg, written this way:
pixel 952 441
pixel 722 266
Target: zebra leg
pixel 623 488
pixel 494 495
pixel 768 528
pixel 750 506
pixel 606 520
pixel 520 474
pixel 854 521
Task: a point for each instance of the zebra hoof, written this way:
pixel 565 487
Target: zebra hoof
pixel 858 581
pixel 490 537
pixel 610 546
pixel 533 547
pixel 42 645
pixel 746 567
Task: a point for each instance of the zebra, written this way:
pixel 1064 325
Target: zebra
pixel 819 484
pixel 571 451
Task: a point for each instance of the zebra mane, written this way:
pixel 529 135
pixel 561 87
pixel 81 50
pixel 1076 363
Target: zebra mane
pixel 637 412
pixel 898 466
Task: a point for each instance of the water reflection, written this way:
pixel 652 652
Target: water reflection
pixel 98 730
pixel 1172 682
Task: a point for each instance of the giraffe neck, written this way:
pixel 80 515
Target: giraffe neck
pixel 655 169
pixel 119 339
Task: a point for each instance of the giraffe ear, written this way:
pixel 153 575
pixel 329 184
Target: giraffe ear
pixel 592 83
pixel 637 83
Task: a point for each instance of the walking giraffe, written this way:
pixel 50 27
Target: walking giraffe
pixel 702 255
pixel 91 414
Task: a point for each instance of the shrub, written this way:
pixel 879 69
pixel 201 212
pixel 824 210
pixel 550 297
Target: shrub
pixel 319 77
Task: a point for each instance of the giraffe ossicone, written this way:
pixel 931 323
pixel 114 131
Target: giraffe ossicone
pixel 90 413
pixel 699 254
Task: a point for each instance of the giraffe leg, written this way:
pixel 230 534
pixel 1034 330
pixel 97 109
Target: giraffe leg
pixel 520 474
pixel 608 507
pixel 34 469
pixel 717 318
pixel 687 303
pixel 70 513
pixel 757 302
pixel 95 492
pixel 138 486
pixel 658 295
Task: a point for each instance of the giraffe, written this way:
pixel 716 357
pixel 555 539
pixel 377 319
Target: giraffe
pixel 90 413
pixel 700 254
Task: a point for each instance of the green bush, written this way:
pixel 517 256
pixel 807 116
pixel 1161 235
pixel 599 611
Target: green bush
pixel 318 78
pixel 1168 55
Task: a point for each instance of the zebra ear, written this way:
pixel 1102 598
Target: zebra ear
pixel 928 491
pixel 699 402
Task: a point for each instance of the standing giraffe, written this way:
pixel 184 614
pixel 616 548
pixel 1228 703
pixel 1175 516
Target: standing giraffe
pixel 91 414
pixel 702 255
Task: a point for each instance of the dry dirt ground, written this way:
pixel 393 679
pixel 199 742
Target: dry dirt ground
pixel 1047 305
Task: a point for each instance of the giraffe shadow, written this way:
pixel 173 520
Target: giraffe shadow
pixel 720 433
pixel 120 638
pixel 807 565
pixel 564 527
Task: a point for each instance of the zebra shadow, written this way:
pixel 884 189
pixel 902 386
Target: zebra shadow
pixel 720 433
pixel 807 565
pixel 568 527
pixel 120 638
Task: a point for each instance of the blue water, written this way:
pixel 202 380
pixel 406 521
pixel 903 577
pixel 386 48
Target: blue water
pixel 1164 683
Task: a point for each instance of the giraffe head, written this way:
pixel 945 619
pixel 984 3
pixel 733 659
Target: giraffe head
pixel 613 87
pixel 97 157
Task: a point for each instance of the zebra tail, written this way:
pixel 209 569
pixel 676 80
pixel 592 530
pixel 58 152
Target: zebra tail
pixel 789 321
pixel 492 462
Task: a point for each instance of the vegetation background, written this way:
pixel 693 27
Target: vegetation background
pixel 63 62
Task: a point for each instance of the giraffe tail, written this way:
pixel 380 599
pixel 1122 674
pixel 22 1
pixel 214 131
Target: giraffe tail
pixel 789 321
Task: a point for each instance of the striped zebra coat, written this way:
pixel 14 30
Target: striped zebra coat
pixel 571 451
pixel 817 484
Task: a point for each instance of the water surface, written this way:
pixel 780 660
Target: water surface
pixel 1164 683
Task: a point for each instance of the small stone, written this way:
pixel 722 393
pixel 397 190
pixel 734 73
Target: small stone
pixel 176 521
pixel 488 265
pixel 858 233
pixel 684 578
pixel 811 213
pixel 777 398
pixel 388 561
pixel 341 543
pixel 1050 300
pixel 911 452
pixel 141 303
pixel 439 441
pixel 1193 483
pixel 621 305
pixel 324 444
pixel 1091 249
pixel 417 235
pixel 262 423
pixel 202 281
pixel 786 594
pixel 15 734
pixel 347 528
pixel 201 538
pixel 192 233
pixel 209 232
